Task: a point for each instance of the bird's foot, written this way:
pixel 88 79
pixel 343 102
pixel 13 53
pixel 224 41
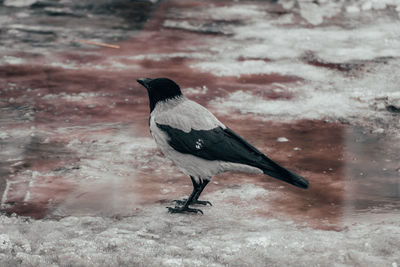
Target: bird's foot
pixel 202 202
pixel 180 202
pixel 194 202
pixel 183 210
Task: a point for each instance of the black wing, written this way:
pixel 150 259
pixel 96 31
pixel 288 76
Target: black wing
pixel 226 145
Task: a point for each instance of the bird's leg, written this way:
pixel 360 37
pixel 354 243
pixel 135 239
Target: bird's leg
pixel 196 197
pixel 196 187
pixel 187 202
pixel 200 189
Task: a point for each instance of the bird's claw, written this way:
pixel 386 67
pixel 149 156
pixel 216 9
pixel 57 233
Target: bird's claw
pixel 202 202
pixel 183 209
pixel 194 202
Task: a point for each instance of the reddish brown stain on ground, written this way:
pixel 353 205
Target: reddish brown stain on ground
pixel 47 193
pixel 326 155
pixel 264 79
pixel 322 147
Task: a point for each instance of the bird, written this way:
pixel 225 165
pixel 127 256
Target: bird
pixel 200 145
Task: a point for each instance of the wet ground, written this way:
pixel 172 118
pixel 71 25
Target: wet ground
pixel 74 123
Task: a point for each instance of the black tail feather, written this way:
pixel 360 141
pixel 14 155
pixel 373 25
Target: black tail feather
pixel 273 169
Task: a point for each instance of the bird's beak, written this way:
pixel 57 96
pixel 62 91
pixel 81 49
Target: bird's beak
pixel 145 82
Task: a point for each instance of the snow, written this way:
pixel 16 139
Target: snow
pixel 354 87
pixel 343 59
pixel 222 13
pixel 196 27
pixel 19 3
pixel 315 12
pixel 312 106
pixel 282 139
pixel 237 11
pixel 194 91
pixel 4 242
pixel 344 97
pixel 323 93
pixel 234 68
pixel 331 43
pixel 226 234
pixel 11 60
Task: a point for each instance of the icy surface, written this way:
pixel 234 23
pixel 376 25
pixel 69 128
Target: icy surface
pixel 63 24
pixel 315 12
pixel 342 71
pixel 18 3
pixel 314 84
pixel 231 236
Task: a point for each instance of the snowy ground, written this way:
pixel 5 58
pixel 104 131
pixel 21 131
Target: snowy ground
pixel 82 183
pixel 229 237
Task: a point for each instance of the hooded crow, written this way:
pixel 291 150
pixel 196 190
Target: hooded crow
pixel 200 145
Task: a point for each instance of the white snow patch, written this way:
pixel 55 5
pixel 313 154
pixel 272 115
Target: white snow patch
pixel 65 65
pixel 236 12
pixel 83 98
pixel 4 135
pixel 315 105
pixel 246 192
pixel 19 3
pixel 282 139
pixel 353 9
pixel 225 13
pixel 289 68
pixel 224 235
pixel 11 60
pixel 196 91
pixel 317 11
pixel 334 44
pixel 4 242
pixel 347 97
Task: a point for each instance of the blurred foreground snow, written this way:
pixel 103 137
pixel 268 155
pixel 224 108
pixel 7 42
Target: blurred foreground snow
pixel 224 235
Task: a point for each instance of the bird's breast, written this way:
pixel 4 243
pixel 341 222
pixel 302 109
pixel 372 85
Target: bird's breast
pixel 159 137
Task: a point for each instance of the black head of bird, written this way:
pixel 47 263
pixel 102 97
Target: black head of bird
pixel 160 89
